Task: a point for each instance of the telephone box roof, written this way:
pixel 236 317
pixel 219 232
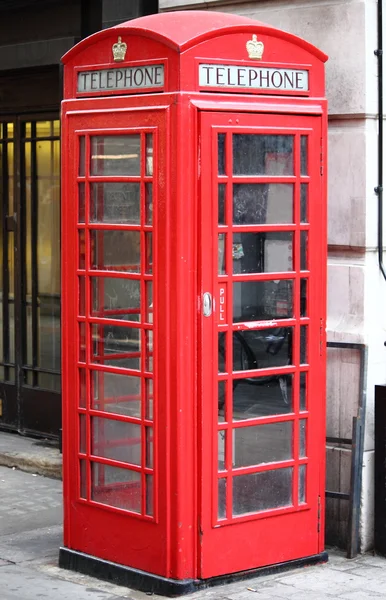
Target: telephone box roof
pixel 184 29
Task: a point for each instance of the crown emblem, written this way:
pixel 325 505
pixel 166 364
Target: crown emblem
pixel 119 50
pixel 255 49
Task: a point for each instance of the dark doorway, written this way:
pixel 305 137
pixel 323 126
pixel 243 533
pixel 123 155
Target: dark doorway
pixel 30 398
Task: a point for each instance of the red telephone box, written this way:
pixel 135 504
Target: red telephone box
pixel 194 269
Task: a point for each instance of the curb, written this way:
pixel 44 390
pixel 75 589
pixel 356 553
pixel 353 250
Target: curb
pixel 45 466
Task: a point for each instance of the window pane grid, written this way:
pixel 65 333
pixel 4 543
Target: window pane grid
pixel 113 475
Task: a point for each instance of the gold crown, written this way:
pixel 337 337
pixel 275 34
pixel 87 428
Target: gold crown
pixel 119 50
pixel 255 48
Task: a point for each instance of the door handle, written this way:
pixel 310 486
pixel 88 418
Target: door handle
pixel 207 304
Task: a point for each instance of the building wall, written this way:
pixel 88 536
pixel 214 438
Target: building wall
pixel 347 31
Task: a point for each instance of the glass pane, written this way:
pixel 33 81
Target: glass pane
pixel 116 440
pixel 303 297
pixel 303 391
pixel 222 352
pixel 116 155
pixel 149 399
pixel 83 479
pixel 116 346
pixel 221 401
pixel 81 203
pixel 82 155
pixel 262 396
pixel 82 249
pixel 262 491
pixel 270 252
pixel 303 202
pixel 304 155
pixel 222 494
pixel 82 296
pixel 221 203
pixel 44 129
pixel 116 298
pixel 256 154
pixel 149 301
pixel 149 495
pixel 149 447
pixel 262 203
pixel 262 300
pixel 115 203
pixel 116 487
pixel 302 484
pixel 149 253
pixel 302 438
pixel 304 250
pixel 82 342
pixel 115 251
pixel 221 450
pixel 149 351
pixel 221 153
pixel 262 348
pixel 303 345
pixel 149 203
pixel 221 254
pixel 48 381
pixel 82 389
pixel 119 394
pixel 262 444
pixel 149 154
pixel 82 434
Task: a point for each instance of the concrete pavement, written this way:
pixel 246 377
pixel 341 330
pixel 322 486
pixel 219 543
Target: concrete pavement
pixel 31 533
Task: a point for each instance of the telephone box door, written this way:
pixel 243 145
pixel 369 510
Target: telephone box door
pixel 110 325
pixel 262 283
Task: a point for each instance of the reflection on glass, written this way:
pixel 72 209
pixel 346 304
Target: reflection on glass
pixel 115 155
pixel 262 444
pixel 116 298
pixel 221 450
pixel 221 253
pixel 222 352
pixel 221 401
pixel 116 440
pixel 149 154
pixel 149 495
pixel 262 300
pixel 303 344
pixel 262 348
pixel 256 154
pixel 119 394
pixel 82 389
pixel 221 203
pixel 149 351
pixel 304 250
pixel 304 203
pixel 262 491
pixel 221 153
pixel 81 203
pixel 82 296
pixel 116 487
pixel 149 301
pixel 304 155
pixel 260 252
pixel 149 253
pixel 149 399
pixel 149 203
pixel 302 484
pixel 115 250
pixel 149 447
pixel 116 346
pixel 262 203
pixel 82 249
pixel 82 156
pixel 302 438
pixel 114 202
pixel 303 391
pixel 83 479
pixel 82 434
pixel 262 396
pixel 222 494
pixel 303 297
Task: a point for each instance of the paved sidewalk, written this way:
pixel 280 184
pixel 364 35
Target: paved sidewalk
pixel 31 534
pixel 30 455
